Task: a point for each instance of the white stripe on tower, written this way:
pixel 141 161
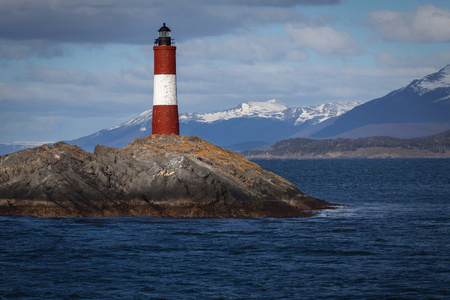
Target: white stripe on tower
pixel 165 89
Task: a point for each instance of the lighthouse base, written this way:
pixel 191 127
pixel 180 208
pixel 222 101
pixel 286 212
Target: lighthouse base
pixel 165 120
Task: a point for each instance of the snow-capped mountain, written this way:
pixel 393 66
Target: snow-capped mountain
pixel 319 113
pixel 261 122
pixel 419 109
pixel 439 80
pixel 140 119
pixel 273 109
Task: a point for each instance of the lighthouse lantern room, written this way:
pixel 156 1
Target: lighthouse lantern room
pixel 165 106
pixel 164 36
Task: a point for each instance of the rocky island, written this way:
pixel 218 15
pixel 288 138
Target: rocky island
pixel 158 176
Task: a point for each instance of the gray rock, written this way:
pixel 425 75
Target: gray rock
pixel 164 176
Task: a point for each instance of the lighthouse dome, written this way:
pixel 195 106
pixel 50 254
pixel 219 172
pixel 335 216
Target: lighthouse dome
pixel 164 28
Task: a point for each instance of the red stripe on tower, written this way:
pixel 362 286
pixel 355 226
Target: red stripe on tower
pixel 165 106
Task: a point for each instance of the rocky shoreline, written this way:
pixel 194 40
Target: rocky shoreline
pixel 157 176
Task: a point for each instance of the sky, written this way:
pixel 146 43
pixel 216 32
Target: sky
pixel 71 68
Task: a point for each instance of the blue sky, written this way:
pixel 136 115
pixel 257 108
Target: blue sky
pixel 71 68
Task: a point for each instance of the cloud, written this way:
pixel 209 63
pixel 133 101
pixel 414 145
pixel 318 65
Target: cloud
pixel 282 2
pixel 324 40
pixel 49 28
pixel 133 22
pixel 426 25
pixel 428 63
pixel 247 48
pixel 55 76
pixel 201 87
pixel 14 51
pixel 74 92
pixel 132 59
pixel 19 50
pixel 50 110
pixel 125 80
pixel 226 86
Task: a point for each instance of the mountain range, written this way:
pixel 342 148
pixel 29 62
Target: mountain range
pixel 419 109
pixel 247 126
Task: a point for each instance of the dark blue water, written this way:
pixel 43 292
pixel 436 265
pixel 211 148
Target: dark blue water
pixel 390 240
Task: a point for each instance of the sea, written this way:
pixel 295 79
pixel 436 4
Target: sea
pixel 390 239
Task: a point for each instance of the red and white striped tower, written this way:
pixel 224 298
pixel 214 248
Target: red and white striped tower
pixel 165 106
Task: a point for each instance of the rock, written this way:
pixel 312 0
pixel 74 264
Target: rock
pixel 160 176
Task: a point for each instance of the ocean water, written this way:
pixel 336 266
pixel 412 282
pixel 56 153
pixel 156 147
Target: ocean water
pixel 390 240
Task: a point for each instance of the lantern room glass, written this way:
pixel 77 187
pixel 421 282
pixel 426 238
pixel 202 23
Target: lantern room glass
pixel 164 34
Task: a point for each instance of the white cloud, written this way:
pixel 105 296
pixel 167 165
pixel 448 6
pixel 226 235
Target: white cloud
pixel 324 40
pixel 426 25
pixel 237 48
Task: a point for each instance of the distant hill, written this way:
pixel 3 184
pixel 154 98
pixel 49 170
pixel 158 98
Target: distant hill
pixel 420 109
pixel 370 147
pixel 250 124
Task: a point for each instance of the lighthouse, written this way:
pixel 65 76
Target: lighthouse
pixel 165 106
